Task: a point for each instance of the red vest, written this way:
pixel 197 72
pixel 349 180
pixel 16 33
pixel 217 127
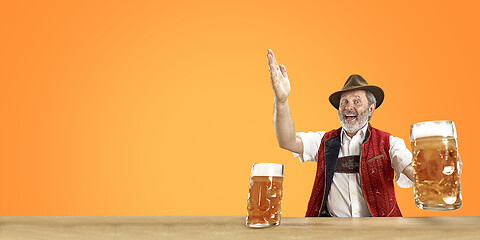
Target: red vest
pixel 376 174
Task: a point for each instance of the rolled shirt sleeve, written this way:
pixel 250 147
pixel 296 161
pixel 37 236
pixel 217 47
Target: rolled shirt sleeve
pixel 311 142
pixel 400 158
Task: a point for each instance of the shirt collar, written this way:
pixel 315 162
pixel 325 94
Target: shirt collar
pixel 362 132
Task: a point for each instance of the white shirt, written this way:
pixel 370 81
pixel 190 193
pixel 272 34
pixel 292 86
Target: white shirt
pixel 346 198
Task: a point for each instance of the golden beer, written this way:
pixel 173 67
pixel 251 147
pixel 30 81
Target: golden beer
pixel 265 195
pixel 436 166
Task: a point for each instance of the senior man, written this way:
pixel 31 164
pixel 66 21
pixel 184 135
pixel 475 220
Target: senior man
pixel 356 164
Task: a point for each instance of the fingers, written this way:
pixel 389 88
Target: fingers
pixel 273 55
pixel 284 71
pixel 272 64
pixel 273 70
pixel 271 60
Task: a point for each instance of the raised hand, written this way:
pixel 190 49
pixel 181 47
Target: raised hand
pixel 278 78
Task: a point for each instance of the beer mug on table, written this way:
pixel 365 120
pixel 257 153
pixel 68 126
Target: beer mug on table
pixel 265 195
pixel 436 166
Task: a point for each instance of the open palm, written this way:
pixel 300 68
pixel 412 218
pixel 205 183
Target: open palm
pixel 278 78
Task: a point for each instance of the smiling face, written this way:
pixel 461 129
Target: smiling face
pixel 354 110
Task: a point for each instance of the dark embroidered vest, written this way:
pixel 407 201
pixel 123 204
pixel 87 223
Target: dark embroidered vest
pixel 376 174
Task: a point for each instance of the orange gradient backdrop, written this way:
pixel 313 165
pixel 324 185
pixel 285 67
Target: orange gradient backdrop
pixel 161 107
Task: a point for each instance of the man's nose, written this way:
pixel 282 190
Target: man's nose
pixel 349 106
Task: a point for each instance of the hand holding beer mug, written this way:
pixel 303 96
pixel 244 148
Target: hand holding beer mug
pixel 436 166
pixel 265 195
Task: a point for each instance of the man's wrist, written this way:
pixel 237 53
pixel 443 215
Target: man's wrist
pixel 281 107
pixel 278 102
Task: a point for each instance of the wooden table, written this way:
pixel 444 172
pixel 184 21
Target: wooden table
pixel 176 227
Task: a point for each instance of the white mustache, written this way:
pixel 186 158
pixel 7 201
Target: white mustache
pixel 350 112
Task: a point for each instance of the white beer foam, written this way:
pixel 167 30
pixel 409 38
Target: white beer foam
pixel 433 128
pixel 267 169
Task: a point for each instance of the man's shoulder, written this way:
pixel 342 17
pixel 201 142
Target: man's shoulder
pixel 379 132
pixel 332 133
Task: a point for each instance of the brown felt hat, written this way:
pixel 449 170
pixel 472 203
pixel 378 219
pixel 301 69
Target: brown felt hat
pixel 356 82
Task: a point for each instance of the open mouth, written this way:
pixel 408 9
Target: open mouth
pixel 350 117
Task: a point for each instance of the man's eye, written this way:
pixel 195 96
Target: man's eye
pixel 356 101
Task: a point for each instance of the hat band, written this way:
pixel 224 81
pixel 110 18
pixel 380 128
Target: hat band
pixel 350 87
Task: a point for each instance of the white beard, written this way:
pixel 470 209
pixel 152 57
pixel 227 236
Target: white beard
pixel 360 121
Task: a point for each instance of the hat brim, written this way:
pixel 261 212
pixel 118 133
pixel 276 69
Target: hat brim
pixel 376 91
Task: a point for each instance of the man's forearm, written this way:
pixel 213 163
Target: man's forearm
pixel 408 171
pixel 284 128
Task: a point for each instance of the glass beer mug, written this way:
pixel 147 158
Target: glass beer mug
pixel 436 166
pixel 265 195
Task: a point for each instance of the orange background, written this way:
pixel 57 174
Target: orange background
pixel 161 107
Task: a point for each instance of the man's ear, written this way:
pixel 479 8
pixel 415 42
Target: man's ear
pixel 371 109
